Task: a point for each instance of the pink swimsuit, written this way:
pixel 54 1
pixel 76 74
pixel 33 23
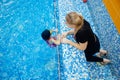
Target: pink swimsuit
pixel 50 43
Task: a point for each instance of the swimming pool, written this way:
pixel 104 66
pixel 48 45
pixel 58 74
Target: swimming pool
pixel 23 53
pixel 25 56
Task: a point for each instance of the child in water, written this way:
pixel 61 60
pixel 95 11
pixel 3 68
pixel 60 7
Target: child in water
pixel 52 41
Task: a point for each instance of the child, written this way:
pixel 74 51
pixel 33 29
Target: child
pixel 52 41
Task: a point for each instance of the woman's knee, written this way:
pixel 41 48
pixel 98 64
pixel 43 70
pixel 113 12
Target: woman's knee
pixel 88 57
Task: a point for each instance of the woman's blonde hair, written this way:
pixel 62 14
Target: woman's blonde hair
pixel 76 19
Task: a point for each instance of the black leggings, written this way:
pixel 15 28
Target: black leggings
pixel 90 55
pixel 91 58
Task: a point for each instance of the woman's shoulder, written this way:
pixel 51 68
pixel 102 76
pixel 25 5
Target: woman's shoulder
pixel 85 28
pixel 86 23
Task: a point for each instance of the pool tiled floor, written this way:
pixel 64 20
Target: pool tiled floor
pixel 73 63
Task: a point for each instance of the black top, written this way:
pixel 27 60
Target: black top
pixel 86 34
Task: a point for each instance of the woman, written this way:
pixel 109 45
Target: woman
pixel 85 38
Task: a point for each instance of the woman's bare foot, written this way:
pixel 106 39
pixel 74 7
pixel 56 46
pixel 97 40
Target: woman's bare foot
pixel 102 53
pixel 105 61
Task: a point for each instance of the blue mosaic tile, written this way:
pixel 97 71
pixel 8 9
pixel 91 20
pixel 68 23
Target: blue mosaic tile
pixel 92 11
pixel 108 35
pixel 73 62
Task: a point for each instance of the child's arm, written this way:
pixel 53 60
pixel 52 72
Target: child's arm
pixel 56 30
pixel 57 42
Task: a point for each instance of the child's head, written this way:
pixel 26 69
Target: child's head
pixel 46 34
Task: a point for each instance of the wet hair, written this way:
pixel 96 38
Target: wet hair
pixel 46 34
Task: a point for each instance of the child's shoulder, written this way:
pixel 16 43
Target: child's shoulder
pixel 51 42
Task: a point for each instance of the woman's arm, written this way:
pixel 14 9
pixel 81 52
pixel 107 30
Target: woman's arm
pixel 80 46
pixel 70 32
pixel 67 33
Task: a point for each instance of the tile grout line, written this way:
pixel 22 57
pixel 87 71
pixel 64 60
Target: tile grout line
pixel 56 25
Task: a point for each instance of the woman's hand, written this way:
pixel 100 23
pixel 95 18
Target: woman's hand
pixel 56 30
pixel 59 37
pixel 64 34
pixel 65 40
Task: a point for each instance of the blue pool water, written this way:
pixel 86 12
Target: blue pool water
pixel 23 53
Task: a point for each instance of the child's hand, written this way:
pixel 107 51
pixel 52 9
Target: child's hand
pixel 56 30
